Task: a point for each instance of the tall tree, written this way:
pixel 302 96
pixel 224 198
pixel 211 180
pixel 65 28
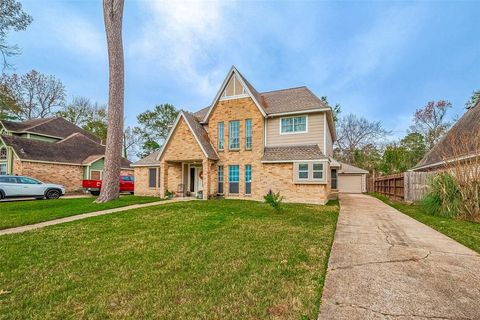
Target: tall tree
pixel 154 127
pixel 8 106
pixel 130 143
pixel 430 121
pixel 357 133
pixel 113 16
pixel 474 99
pixel 90 116
pixel 37 95
pixel 336 110
pixel 12 17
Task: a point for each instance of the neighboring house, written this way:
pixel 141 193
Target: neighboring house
pixel 461 142
pixel 52 150
pixel 245 144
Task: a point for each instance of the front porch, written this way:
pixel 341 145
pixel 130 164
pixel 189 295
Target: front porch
pixel 187 178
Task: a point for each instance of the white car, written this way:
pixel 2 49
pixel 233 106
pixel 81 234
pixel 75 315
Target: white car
pixel 21 186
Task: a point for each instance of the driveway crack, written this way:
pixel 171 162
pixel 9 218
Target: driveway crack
pixel 400 314
pixel 412 259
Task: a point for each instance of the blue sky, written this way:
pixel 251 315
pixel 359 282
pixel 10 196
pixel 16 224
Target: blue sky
pixel 381 60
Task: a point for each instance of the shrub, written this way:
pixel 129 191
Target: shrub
pixel 444 198
pixel 274 199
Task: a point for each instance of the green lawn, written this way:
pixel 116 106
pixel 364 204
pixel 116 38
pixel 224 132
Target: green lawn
pixel 14 214
pixel 218 259
pixel 465 232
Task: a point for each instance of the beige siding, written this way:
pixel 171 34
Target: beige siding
pixel 314 134
pixel 329 142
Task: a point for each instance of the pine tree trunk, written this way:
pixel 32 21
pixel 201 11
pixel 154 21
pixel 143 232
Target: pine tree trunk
pixel 113 14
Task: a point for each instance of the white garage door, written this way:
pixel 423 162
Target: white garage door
pixel 350 183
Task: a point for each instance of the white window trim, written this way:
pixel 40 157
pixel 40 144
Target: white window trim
pixel 224 97
pixel 310 179
pixel 223 136
pixel 229 135
pixel 298 171
pixel 297 132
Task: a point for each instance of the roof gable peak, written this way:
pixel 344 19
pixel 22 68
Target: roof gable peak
pixel 247 91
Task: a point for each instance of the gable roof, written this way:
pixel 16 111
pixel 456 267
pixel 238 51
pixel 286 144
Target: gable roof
pixel 293 153
pixel 275 103
pixel 348 168
pixel 198 131
pixel 248 87
pixel 467 126
pixel 150 160
pixel 53 127
pixel 74 150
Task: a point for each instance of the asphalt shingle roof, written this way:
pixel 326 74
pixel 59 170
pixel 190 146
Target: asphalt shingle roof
pixel 74 149
pixel 468 126
pixel 293 153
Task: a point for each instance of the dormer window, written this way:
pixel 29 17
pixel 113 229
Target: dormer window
pixel 234 89
pixel 3 153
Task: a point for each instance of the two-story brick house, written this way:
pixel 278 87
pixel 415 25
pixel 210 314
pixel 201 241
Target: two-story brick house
pixel 245 144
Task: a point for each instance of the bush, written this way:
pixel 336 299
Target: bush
pixel 444 198
pixel 274 199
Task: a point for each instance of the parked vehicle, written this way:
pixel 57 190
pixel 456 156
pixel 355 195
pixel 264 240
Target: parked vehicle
pixel 127 184
pixel 21 186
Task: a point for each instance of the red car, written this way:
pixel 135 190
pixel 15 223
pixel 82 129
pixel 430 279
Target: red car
pixel 127 184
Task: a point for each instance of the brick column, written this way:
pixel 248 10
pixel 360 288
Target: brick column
pixel 163 178
pixel 206 178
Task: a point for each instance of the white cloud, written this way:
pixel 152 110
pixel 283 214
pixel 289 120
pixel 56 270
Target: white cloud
pixel 181 37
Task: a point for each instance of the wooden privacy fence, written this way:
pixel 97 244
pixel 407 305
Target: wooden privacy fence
pixel 407 186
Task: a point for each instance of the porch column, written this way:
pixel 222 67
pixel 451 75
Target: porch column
pixel 206 178
pixel 163 178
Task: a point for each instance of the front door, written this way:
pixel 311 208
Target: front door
pixel 195 179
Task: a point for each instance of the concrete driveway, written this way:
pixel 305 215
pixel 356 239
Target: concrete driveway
pixel 386 265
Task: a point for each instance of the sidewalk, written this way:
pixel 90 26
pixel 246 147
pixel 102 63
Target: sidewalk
pixel 86 215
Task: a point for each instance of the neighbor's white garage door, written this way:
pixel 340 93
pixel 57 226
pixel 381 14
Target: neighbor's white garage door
pixel 350 183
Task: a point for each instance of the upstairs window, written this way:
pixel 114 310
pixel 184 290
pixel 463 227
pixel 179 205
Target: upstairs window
pixel 234 89
pixel 296 124
pixel 221 133
pixel 3 153
pixel 234 135
pixel 248 134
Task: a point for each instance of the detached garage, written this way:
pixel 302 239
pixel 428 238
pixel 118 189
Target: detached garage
pixel 351 179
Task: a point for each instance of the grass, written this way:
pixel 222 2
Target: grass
pixel 465 232
pixel 219 259
pixel 14 214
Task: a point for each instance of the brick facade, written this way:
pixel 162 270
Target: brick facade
pixel 183 148
pixel 69 176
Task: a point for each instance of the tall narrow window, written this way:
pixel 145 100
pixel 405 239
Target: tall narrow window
pixel 3 153
pixel 233 178
pixel 234 135
pixel 248 134
pixel 220 179
pixel 152 177
pixel 220 135
pixel 248 179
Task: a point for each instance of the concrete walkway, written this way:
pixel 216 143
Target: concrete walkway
pixel 87 215
pixel 386 265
